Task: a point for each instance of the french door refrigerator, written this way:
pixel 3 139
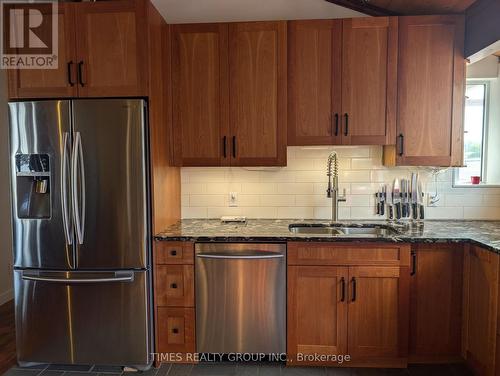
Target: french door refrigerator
pixel 81 240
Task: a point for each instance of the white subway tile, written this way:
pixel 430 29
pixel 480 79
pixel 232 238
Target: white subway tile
pixel 301 164
pixel 184 200
pixel 282 176
pixel 193 188
pixel 296 188
pixel 259 188
pixel 354 176
pixel 444 213
pixel 248 200
pixel 313 200
pixel 311 177
pixel 217 212
pixel 191 212
pixel 482 213
pixel 363 213
pixel 260 212
pixel 277 200
pixel 363 164
pixel 296 212
pixel 207 200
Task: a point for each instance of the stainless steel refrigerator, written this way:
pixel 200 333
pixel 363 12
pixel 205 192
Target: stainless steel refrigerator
pixel 81 225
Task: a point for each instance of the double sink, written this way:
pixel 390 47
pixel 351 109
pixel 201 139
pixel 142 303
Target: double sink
pixel 347 230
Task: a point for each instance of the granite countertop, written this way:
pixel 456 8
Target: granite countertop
pixel 483 233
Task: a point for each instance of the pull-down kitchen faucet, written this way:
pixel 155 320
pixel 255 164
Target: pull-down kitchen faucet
pixel 333 185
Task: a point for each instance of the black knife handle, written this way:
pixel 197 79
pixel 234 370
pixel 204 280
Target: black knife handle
pixel 382 207
pixel 422 214
pixel 378 208
pixel 398 210
pixel 414 209
pixel 403 210
pixel 391 212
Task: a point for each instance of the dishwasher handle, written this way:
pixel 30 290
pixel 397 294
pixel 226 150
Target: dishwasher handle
pixel 241 256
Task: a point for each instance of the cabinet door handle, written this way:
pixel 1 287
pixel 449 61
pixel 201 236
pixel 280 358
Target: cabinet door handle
pixel 70 73
pixel 346 129
pixel 353 280
pixel 80 74
pixel 234 146
pixel 336 131
pixel 401 144
pixel 173 252
pixel 342 289
pixel 175 330
pixel 224 146
pixel 413 263
pixel 173 285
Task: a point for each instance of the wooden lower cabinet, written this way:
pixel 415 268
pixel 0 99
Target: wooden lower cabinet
pixel 378 313
pixel 175 332
pixel 352 310
pixel 317 311
pixel 174 301
pixel 436 289
pixel 480 330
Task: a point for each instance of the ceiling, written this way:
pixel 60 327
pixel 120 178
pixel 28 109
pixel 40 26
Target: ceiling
pixel 196 11
pixel 414 7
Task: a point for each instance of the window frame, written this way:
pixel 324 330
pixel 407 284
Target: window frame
pixel 484 148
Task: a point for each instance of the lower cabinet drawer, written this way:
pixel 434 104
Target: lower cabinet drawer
pixel 174 285
pixel 309 253
pixel 176 331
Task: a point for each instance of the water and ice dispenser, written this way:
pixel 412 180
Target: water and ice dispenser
pixel 33 186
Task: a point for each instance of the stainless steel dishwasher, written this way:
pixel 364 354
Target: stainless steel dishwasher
pixel 240 298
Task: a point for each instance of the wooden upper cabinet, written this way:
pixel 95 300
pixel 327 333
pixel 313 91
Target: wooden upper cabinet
pixel 50 83
pixel 200 79
pixel 111 48
pixel 322 329
pixel 257 76
pixel 369 71
pixel 480 331
pixel 314 82
pixel 430 91
pixel 378 312
pixel 436 303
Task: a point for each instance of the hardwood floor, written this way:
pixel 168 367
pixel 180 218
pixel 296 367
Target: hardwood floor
pixel 7 337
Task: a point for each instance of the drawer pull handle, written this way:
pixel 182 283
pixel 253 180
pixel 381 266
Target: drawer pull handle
pixel 173 252
pixel 173 285
pixel 175 330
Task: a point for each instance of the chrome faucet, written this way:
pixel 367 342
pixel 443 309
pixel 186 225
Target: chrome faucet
pixel 333 185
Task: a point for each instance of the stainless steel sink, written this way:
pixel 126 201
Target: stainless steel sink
pixel 362 230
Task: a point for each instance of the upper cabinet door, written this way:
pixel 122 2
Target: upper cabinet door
pixel 314 82
pixel 50 83
pixel 257 61
pixel 430 90
pixel 111 44
pixel 369 79
pixel 200 86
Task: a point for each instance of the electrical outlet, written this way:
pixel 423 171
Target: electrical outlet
pixel 433 199
pixel 233 199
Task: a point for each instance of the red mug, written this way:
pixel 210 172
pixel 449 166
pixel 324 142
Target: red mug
pixel 475 179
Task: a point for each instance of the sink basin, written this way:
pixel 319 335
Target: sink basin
pixel 362 230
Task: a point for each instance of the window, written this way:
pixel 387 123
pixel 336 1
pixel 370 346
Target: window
pixel 474 134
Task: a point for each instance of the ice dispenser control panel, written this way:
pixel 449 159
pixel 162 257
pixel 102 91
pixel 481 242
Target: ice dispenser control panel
pixel 33 186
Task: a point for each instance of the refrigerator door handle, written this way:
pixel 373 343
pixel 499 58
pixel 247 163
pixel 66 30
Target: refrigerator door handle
pixel 64 191
pixel 38 277
pixel 78 217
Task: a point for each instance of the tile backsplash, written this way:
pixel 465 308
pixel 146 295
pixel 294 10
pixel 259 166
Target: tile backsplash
pixel 299 190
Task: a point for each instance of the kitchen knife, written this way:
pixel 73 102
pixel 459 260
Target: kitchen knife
pixel 414 194
pixel 421 201
pixel 396 198
pixel 404 192
pixel 407 200
pixel 377 199
pixel 389 205
pixel 383 195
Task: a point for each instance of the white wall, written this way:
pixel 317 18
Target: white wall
pixel 299 190
pixel 5 213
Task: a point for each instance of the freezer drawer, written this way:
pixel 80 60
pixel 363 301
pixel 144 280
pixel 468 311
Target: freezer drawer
pixel 83 317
